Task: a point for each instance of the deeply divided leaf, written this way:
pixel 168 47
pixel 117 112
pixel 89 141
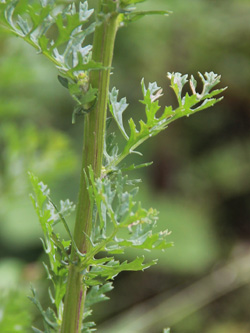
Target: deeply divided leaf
pixel 188 104
pixel 60 35
pixel 56 248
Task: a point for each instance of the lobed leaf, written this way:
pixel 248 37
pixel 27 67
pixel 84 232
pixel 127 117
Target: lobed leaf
pixel 188 105
pixel 49 317
pixel 113 268
pixel 119 223
pixel 117 108
pixel 38 21
pixel 55 248
pixel 110 151
pixel 97 294
pixel 117 211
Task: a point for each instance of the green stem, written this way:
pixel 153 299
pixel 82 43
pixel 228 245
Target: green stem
pixel 94 133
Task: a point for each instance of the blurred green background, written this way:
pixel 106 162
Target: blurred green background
pixel 200 179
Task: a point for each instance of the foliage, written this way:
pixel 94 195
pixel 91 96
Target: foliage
pixel 118 222
pixel 188 105
pixel 124 215
pixel 35 26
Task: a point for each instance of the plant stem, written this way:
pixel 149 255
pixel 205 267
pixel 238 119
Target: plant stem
pixel 94 133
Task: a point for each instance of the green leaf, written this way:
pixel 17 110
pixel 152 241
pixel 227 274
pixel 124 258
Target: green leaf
pixel 188 105
pixel 88 327
pixel 64 81
pixel 135 167
pixel 35 28
pixel 111 150
pixel 82 65
pixel 209 80
pixel 66 208
pixel 117 108
pixel 178 81
pixel 113 268
pixel 97 293
pixel 126 3
pixel 24 25
pixel 48 316
pixel 54 247
pixel 36 330
pixel 191 104
pixel 115 204
pixel 146 241
pixel 136 15
pixel 90 96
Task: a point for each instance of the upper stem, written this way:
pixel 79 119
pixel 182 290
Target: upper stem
pixel 94 135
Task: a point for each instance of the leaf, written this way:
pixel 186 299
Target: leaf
pixel 35 27
pixel 209 81
pixel 24 25
pixel 148 129
pixel 90 96
pixel 115 204
pixel 97 293
pixel 111 150
pixel 88 327
pixel 66 208
pixel 146 241
pixel 188 105
pixel 135 167
pixel 90 65
pixel 136 15
pixel 36 330
pixel 56 249
pixel 117 108
pixel 113 268
pixel 126 3
pixel 64 81
pixel 48 316
pixel 177 83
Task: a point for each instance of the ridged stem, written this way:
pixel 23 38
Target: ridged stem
pixel 94 134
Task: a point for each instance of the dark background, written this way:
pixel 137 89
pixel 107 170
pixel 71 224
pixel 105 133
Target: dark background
pixel 200 179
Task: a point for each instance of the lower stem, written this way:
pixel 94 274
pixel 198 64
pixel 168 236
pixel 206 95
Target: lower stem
pixel 94 133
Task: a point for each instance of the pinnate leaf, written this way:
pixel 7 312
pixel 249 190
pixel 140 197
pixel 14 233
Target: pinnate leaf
pixel 116 205
pixel 56 249
pixel 114 267
pixel 33 27
pixel 187 105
